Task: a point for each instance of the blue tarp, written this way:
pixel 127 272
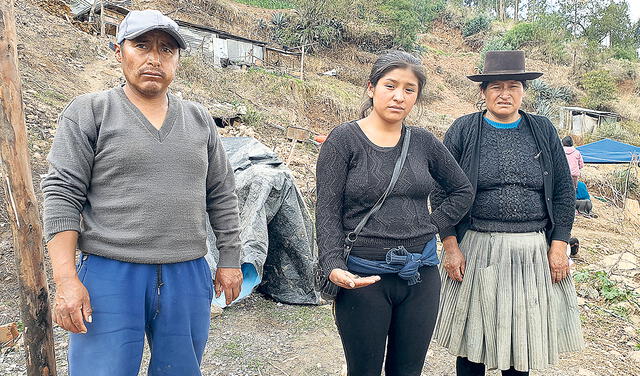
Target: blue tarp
pixel 608 151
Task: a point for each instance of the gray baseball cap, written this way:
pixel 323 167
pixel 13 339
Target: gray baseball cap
pixel 138 22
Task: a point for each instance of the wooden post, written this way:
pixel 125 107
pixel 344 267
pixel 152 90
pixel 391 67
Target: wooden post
pixel 22 206
pixel 302 64
pixel 92 12
pixel 101 17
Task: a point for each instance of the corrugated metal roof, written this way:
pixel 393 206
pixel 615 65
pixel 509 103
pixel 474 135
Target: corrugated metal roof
pixel 586 110
pixel 80 7
pixel 220 34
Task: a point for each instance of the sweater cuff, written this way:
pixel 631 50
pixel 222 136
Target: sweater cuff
pixel 438 219
pixel 329 290
pixel 333 263
pixel 449 231
pixel 561 233
pixel 54 226
pixel 229 259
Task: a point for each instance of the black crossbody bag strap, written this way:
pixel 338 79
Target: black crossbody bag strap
pixel 351 237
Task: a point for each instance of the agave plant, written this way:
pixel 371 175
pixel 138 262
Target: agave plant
pixel 280 20
pixel 548 98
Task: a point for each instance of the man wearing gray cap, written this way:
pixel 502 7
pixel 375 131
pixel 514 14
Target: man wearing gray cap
pixel 135 173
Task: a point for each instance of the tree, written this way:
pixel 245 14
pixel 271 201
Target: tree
pixel 537 9
pixel 576 13
pixel 612 21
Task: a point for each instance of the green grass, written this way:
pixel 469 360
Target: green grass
pixel 608 289
pixel 269 4
pixel 233 349
pixel 51 97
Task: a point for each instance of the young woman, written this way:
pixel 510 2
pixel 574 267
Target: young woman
pixel 507 301
pixel 388 284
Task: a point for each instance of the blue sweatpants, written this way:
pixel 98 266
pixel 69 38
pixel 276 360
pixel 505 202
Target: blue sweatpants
pixel 170 303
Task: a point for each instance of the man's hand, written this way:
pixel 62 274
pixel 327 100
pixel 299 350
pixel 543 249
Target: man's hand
pixel 558 260
pixel 454 262
pixel 71 305
pixel 348 280
pixel 228 280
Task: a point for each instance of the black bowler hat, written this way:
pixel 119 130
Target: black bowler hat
pixel 502 66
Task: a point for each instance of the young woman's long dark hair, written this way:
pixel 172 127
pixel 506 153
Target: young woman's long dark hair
pixel 388 62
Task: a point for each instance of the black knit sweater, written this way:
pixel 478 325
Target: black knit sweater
pixel 463 140
pixel 352 173
pixel 510 194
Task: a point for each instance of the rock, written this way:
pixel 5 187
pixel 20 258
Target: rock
pixel 588 292
pixel 635 356
pixel 629 282
pixel 621 261
pixel 585 372
pixel 216 311
pixel 630 331
pixel 581 301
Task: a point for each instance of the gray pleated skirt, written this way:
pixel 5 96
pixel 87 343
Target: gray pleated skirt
pixel 506 312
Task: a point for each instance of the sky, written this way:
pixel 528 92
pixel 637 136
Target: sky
pixel 634 8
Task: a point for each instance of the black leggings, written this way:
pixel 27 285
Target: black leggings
pixel 465 367
pixel 389 308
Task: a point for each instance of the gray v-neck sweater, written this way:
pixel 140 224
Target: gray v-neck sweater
pixel 136 193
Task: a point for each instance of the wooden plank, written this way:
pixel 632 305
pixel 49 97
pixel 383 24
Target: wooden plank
pixel 8 334
pixel 22 206
pixel 297 133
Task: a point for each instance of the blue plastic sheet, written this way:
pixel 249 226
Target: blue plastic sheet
pixel 608 151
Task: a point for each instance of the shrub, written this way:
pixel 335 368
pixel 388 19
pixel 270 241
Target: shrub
pixel 554 35
pixel 522 34
pixel 401 18
pixel 621 70
pixel 453 16
pixel 429 10
pixel 614 131
pixel 312 23
pixel 625 53
pixel 476 25
pixel 600 88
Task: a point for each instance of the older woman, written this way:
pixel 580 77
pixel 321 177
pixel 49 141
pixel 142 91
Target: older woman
pixel 507 300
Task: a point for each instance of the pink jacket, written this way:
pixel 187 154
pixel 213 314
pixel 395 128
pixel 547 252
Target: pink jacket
pixel 575 160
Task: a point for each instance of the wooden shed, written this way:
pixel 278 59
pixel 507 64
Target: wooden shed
pixel 582 121
pixel 222 47
pixel 114 12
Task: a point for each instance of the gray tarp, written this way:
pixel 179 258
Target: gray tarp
pixel 278 248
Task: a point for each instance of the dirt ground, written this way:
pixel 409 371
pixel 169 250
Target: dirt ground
pixel 259 336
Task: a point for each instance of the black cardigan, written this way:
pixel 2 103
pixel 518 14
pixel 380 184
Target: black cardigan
pixel 463 141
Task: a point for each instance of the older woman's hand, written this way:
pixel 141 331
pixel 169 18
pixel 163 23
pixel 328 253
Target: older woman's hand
pixel 558 260
pixel 454 262
pixel 348 280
